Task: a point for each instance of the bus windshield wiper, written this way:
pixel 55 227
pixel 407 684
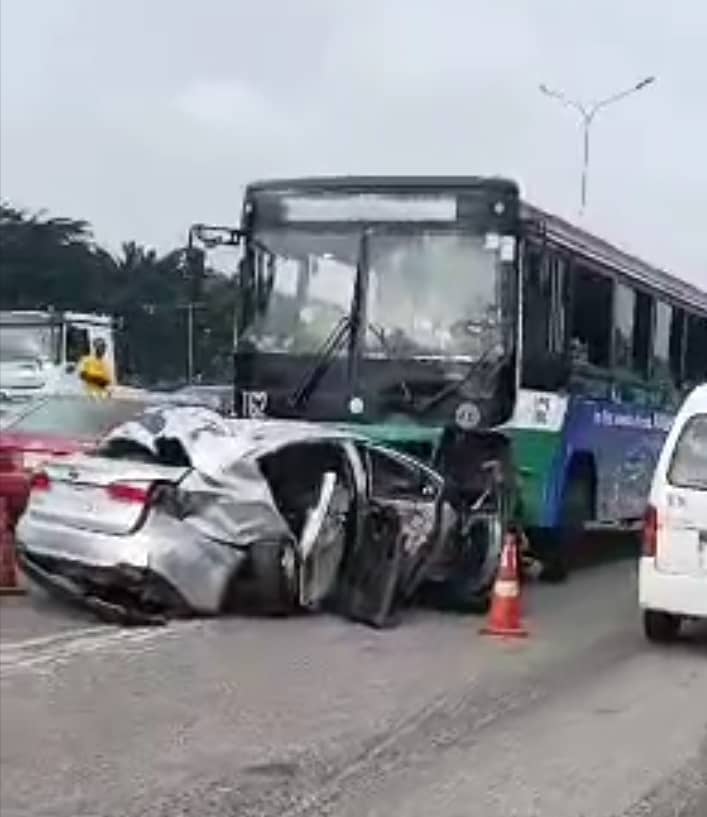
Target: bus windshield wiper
pixel 347 328
pixel 329 348
pixel 451 388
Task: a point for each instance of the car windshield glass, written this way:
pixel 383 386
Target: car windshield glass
pixel 76 417
pixel 40 342
pixel 311 289
pixel 433 293
pixel 688 468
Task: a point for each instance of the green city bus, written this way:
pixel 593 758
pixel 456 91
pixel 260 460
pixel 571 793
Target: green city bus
pixel 409 306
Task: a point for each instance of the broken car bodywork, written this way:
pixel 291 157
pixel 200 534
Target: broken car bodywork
pixel 183 511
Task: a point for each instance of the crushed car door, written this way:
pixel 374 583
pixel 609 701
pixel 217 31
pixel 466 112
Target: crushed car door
pixel 314 488
pixel 398 537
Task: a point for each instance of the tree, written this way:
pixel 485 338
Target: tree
pixel 49 262
pixel 55 262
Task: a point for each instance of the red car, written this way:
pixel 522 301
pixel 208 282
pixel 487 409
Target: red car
pixel 55 425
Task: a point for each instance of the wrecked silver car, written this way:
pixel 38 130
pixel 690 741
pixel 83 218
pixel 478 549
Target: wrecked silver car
pixel 181 511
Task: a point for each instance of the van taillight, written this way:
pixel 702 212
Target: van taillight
pixel 650 532
pixel 39 481
pixel 131 494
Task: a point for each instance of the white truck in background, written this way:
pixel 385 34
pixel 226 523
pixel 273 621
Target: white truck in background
pixel 40 351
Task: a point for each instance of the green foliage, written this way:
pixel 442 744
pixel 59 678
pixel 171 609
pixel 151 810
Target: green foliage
pixel 55 262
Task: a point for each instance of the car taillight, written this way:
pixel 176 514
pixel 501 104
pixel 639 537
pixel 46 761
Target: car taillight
pixel 10 460
pixel 124 492
pixel 39 481
pixel 650 532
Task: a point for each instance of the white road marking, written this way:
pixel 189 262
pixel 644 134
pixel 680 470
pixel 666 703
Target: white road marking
pixel 40 641
pixel 48 651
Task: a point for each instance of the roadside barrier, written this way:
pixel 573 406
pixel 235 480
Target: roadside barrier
pixel 9 578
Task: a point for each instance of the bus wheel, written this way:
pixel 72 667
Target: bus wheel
pixel 576 510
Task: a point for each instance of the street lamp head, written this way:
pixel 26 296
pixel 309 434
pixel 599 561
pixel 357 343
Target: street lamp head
pixel 644 82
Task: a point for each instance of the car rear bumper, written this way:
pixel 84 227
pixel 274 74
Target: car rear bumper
pixel 131 606
pixel 671 593
pixel 197 567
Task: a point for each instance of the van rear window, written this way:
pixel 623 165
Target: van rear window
pixel 688 468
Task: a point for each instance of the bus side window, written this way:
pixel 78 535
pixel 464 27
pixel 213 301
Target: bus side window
pixel 624 326
pixel 633 320
pixel 537 303
pixel 660 363
pixel 544 305
pixel 696 351
pixel 592 295
pixel 677 346
pixel 560 280
pixel 642 331
pixel 77 344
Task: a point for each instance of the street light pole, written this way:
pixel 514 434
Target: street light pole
pixel 588 114
pixel 190 342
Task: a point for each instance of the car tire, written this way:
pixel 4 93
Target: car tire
pixel 472 592
pixel 660 627
pixel 276 588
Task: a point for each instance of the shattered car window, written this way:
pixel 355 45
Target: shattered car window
pixel 394 478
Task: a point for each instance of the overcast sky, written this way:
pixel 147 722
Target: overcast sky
pixel 143 116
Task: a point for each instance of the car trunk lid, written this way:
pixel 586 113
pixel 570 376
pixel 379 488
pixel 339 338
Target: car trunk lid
pixel 29 451
pixel 96 493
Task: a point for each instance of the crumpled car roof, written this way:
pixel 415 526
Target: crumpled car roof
pixel 225 454
pixel 214 443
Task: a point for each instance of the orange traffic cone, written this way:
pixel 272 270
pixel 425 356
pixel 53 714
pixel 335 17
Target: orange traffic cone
pixel 505 616
pixel 9 584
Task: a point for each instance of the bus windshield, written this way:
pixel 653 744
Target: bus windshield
pixel 433 293
pixel 430 292
pixel 310 290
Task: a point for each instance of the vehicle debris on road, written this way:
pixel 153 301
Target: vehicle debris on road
pixel 181 511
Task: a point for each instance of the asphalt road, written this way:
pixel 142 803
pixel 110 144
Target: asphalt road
pixel 316 716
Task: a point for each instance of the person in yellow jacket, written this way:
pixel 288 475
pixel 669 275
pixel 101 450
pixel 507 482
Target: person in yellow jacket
pixel 95 371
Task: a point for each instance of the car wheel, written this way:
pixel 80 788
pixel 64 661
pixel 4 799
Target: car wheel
pixel 659 627
pixel 470 588
pixel 274 577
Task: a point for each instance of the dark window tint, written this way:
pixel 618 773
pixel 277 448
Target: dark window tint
pixel 642 324
pixel 76 417
pixel 591 317
pixel 392 478
pixel 77 344
pixel 688 468
pixel 544 316
pixel 677 336
pixel 537 304
pixel 696 352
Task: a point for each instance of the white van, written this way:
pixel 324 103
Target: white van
pixel 673 567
